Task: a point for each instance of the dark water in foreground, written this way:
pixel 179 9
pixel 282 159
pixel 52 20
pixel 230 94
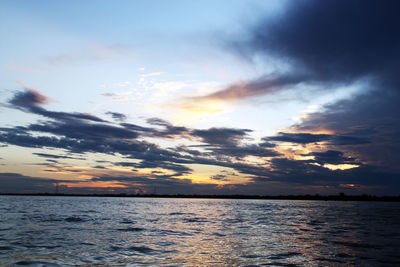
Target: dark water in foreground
pixel 70 231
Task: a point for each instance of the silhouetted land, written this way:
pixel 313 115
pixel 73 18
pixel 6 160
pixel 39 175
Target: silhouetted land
pixel 339 197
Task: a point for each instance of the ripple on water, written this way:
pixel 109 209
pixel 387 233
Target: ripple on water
pixel 181 213
pixel 126 221
pixel 142 249
pixel 219 235
pixel 85 231
pixel 286 255
pixel 194 220
pixel 172 232
pixel 130 229
pixel 357 245
pixel 328 260
pixel 250 256
pixel 277 263
pixel 37 263
pixel 74 219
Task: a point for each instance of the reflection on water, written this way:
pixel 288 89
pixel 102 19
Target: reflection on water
pixel 62 231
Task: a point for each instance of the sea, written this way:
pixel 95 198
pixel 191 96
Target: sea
pixel 113 231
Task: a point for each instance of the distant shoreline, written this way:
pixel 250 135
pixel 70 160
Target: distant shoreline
pixel 340 197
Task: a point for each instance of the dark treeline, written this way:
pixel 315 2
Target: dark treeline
pixel 341 196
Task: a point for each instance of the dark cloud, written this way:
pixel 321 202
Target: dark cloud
pixel 125 164
pixel 300 138
pixel 14 182
pixel 338 42
pixel 84 144
pixel 25 139
pixel 169 131
pixel 29 101
pixel 330 156
pixel 301 173
pixel 325 42
pixel 99 167
pixel 305 174
pixel 331 40
pixel 137 128
pixel 117 116
pixel 147 155
pixel 372 117
pixel 28 98
pixel 221 136
pixel 367 129
pixel 83 130
pixel 45 155
pixel 178 169
pixel 243 151
pixel 157 121
pixel 307 138
pixel 219 177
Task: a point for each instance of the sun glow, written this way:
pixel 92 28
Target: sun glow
pixel 189 111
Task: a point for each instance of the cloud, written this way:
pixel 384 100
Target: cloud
pixel 268 84
pixel 169 131
pixel 150 163
pixel 326 42
pixel 307 138
pixel 240 152
pixel 30 100
pixel 300 138
pixel 370 120
pixel 217 151
pixel 330 156
pixel 14 182
pixel 117 116
pixel 221 136
pixel 52 156
pixel 356 130
pixel 339 46
pixel 220 177
pixel 79 129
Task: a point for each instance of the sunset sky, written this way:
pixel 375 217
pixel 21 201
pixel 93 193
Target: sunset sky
pixel 200 97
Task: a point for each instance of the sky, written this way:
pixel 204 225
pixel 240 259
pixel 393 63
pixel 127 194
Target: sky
pixel 200 97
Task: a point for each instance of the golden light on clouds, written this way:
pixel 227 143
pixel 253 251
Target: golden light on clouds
pixel 341 167
pixel 189 111
pixel 300 157
pixel 206 174
pixel 255 160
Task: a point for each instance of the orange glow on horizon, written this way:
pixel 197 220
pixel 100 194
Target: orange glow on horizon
pixel 98 184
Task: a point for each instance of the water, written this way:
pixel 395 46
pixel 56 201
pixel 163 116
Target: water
pixel 70 231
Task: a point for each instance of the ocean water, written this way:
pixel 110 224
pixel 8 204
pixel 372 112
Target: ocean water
pixel 91 231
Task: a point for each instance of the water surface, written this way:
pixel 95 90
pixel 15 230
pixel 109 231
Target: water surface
pixel 87 231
